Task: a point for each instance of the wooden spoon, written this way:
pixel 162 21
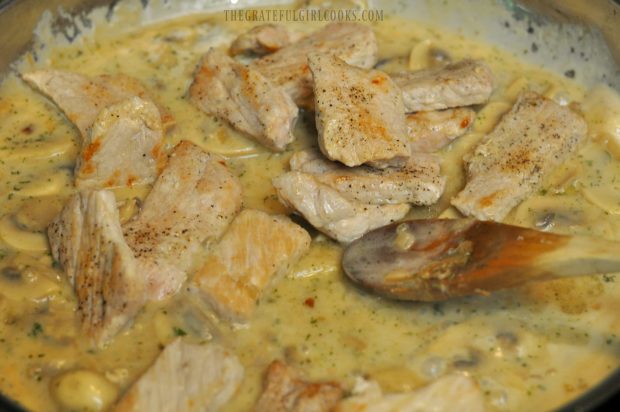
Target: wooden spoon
pixel 437 259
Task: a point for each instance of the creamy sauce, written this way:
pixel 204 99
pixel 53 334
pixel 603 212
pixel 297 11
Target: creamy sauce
pixel 531 348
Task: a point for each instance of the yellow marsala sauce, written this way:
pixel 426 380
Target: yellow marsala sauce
pixel 532 348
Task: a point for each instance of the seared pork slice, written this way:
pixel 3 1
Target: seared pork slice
pixel 454 392
pixel 185 377
pixel 81 98
pixel 462 83
pixel 288 67
pixel 123 147
pixel 420 182
pixel 255 249
pixel 312 161
pixel 530 141
pixel 329 211
pixel 430 131
pixel 263 39
pixel 285 391
pixel 245 98
pixel 192 202
pixel 359 113
pixel 87 240
pixel 65 234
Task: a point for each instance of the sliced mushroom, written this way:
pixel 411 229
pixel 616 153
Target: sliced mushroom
pixel 19 238
pixel 551 213
pixel 37 213
pixel 426 54
pixel 489 116
pixel 392 64
pixel 25 278
pixel 601 108
pixel 604 197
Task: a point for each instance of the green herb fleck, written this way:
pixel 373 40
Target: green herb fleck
pixel 178 331
pixel 438 309
pixel 607 278
pixel 36 330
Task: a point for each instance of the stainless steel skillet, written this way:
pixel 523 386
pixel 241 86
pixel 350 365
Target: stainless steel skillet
pixel 579 34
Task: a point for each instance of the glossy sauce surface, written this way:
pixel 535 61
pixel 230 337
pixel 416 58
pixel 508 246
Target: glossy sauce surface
pixel 531 348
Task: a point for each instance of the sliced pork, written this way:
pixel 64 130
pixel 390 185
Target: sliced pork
pixel 454 392
pixel 185 377
pixel 243 97
pixel 255 249
pixel 331 212
pixel 87 240
pixel 81 98
pixel 124 146
pixel 263 39
pixel 420 182
pixel 192 202
pixel 430 131
pixel 288 67
pixel 462 83
pixel 285 391
pixel 530 141
pixel 359 114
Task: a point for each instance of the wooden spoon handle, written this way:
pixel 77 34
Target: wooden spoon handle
pixel 508 256
pixel 582 256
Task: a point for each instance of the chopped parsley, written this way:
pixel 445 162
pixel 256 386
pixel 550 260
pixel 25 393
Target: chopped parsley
pixel 178 331
pixel 36 330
